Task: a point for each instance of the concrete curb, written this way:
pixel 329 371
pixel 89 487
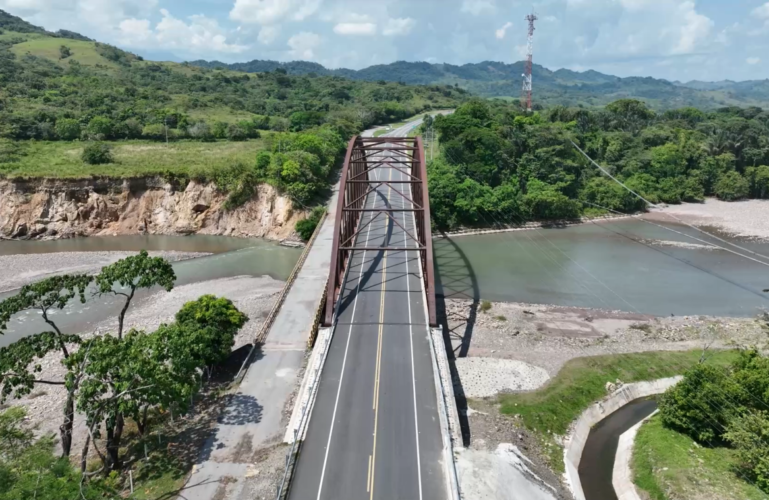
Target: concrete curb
pixel 297 427
pixel 622 475
pixel 443 413
pixel 448 387
pixel 580 429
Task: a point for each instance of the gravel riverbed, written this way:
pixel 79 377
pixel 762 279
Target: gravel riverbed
pixel 254 296
pixel 749 218
pixel 22 269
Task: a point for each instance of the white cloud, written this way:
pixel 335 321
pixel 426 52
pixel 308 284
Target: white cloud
pixel 268 34
pixel 303 45
pixel 366 29
pixel 399 26
pixel 761 12
pixel 501 31
pixel 478 7
pixel 200 35
pixel 753 60
pixel 695 28
pixel 273 11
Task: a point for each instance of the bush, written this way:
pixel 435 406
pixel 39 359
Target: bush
pixel 702 404
pixel 732 186
pixel 236 133
pixel 154 132
pixel 67 129
pixel 749 435
pixel 100 128
pixel 485 306
pixel 201 131
pixel 219 130
pixel 97 153
pixel 306 227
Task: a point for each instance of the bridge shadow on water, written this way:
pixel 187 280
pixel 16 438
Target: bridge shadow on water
pixel 456 280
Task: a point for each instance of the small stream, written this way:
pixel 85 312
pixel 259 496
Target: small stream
pixel 597 463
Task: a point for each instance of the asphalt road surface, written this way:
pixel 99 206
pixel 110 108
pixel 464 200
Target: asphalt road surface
pixel 375 431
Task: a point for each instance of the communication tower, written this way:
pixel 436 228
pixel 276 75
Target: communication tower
pixel 527 82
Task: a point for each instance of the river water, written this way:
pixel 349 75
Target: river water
pixel 608 265
pixel 231 257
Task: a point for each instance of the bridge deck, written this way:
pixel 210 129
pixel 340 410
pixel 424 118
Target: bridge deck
pixel 375 431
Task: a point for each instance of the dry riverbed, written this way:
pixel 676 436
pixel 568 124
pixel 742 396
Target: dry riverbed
pixel 748 219
pixel 518 347
pixel 21 269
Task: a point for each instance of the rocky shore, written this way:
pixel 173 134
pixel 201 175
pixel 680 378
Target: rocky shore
pixel 747 219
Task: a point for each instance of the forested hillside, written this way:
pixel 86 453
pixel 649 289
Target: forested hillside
pixel 561 87
pixel 500 166
pixel 71 107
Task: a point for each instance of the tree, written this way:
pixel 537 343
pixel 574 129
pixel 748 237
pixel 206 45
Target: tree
pixel 97 153
pixel 134 273
pixel 701 405
pixel 18 374
pixel 100 128
pixel 306 227
pixel 732 186
pixel 64 52
pixel 749 435
pixel 758 179
pixel 67 129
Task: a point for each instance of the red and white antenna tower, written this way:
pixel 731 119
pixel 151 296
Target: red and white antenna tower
pixel 527 87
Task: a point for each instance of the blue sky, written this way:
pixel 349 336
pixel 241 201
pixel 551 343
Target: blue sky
pixel 673 39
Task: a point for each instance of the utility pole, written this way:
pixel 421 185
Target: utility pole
pixel 527 81
pixel 165 121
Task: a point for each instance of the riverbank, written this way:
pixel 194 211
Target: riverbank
pixel 512 351
pixel 252 295
pixel 746 219
pixel 22 269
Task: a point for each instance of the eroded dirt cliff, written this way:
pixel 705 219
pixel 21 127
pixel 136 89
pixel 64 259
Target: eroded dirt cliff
pixel 67 208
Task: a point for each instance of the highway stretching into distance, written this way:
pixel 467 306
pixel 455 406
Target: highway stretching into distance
pixel 375 430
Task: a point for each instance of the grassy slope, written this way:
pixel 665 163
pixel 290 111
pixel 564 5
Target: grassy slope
pixel 550 410
pixel 132 159
pixel 668 465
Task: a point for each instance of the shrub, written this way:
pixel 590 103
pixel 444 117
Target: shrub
pixel 485 306
pixel 97 153
pixel 201 131
pixel 702 404
pixel 306 227
pixel 236 133
pixel 219 130
pixel 100 128
pixel 154 131
pixel 749 434
pixel 732 186
pixel 67 129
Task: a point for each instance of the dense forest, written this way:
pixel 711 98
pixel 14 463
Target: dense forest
pixel 560 87
pixel 499 165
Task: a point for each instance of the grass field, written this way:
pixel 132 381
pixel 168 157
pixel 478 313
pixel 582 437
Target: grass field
pixel 668 465
pixel 46 47
pixel 132 158
pixel 550 410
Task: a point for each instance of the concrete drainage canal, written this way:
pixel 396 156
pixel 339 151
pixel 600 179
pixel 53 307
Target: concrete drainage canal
pixel 597 464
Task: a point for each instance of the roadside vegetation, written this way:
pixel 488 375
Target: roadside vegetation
pixel 549 411
pixel 667 464
pixel 718 415
pixel 501 166
pixel 127 404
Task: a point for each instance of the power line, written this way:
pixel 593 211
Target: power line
pixel 654 205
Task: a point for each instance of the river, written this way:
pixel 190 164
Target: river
pixel 603 265
pixel 591 265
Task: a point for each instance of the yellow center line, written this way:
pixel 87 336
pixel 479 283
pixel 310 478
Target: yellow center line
pixel 368 481
pixel 378 371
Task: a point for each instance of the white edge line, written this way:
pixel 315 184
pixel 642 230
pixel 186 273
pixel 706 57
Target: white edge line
pixel 344 363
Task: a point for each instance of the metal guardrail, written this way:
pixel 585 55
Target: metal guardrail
pixel 260 336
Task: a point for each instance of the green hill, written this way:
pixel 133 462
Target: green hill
pixel 561 87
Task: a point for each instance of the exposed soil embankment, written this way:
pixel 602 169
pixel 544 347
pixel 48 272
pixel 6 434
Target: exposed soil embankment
pixel 66 208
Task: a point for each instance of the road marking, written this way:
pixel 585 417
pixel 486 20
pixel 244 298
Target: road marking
pixel 368 480
pixel 379 350
pixel 344 361
pixel 413 374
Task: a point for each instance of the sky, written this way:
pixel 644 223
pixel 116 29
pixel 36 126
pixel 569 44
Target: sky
pixel 673 39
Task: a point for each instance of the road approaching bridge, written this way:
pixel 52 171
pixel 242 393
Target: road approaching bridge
pixel 375 430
